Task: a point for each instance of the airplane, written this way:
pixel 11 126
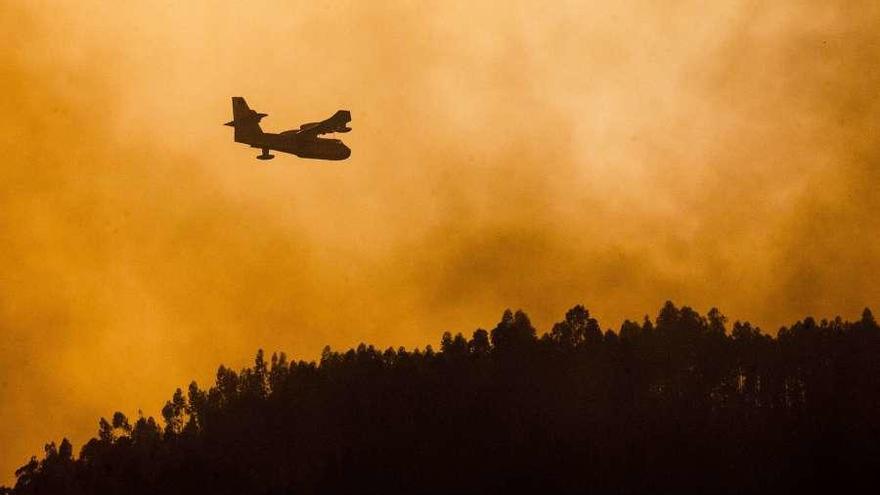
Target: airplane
pixel 303 142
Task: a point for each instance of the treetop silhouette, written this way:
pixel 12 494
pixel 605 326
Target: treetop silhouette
pixel 677 404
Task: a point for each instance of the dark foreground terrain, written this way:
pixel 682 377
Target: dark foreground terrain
pixel 681 404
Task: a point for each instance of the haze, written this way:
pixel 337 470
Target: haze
pixel 504 155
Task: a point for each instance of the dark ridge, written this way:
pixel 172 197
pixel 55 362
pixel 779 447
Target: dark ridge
pixel 674 405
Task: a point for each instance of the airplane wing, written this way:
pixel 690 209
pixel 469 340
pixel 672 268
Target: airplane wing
pixel 336 123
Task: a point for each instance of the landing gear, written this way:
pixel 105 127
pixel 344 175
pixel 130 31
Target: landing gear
pixel 265 155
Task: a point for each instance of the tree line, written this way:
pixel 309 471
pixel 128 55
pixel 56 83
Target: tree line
pixel 682 403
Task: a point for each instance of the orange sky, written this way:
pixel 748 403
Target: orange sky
pixel 504 155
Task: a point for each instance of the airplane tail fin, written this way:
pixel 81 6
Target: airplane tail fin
pixel 245 121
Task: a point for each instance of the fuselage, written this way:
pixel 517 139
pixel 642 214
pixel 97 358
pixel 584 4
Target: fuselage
pixel 303 147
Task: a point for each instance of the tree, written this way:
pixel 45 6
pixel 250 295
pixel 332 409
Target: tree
pixel 576 329
pixel 174 413
pixel 479 344
pixel 513 333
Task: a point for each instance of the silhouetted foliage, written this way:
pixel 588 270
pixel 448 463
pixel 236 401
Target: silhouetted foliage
pixel 674 405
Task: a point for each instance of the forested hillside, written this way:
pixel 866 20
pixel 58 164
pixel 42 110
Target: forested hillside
pixel 682 403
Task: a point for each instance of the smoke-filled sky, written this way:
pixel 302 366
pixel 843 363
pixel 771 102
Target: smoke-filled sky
pixel 509 154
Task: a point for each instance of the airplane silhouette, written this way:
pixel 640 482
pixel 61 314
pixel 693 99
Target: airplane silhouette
pixel 303 142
